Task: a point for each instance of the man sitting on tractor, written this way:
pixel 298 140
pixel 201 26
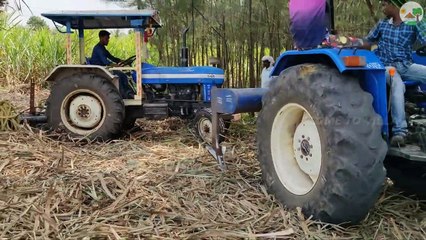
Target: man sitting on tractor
pixel 101 56
pixel 395 41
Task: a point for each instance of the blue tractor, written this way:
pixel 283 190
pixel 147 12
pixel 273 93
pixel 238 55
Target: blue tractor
pixel 85 100
pixel 323 131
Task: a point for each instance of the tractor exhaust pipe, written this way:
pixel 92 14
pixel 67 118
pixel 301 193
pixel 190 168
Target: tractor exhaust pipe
pixel 330 6
pixel 184 52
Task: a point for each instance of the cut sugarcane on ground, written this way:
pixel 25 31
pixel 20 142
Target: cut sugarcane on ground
pixel 158 182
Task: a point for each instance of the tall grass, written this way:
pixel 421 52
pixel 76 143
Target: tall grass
pixel 27 54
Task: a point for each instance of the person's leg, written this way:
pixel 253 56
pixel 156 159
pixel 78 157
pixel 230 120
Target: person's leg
pixel 397 90
pixel 415 72
pixel 125 89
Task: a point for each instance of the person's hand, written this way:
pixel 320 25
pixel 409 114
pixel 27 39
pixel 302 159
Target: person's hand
pixel 114 65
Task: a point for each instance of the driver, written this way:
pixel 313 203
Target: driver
pixel 101 56
pixel 395 41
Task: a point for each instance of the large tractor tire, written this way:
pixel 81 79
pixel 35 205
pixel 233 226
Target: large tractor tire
pixel 320 145
pixel 86 106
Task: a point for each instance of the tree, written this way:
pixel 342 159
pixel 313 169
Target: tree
pixel 140 4
pixel 36 22
pixel 2 5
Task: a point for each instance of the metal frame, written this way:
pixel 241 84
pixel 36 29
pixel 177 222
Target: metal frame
pixel 138 20
pixel 330 4
pixel 138 38
pixel 68 43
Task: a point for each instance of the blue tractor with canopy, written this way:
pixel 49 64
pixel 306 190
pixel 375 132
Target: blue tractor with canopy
pixel 323 131
pixel 85 99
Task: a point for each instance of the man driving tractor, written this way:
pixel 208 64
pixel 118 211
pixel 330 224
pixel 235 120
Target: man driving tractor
pixel 101 56
pixel 394 40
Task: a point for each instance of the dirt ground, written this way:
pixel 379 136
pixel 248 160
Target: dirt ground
pixel 158 182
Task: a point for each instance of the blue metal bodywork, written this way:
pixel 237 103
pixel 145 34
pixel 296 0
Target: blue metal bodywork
pixel 207 77
pixel 419 59
pixel 231 101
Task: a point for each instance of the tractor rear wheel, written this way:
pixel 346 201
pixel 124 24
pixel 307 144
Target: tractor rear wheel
pixel 86 106
pixel 320 145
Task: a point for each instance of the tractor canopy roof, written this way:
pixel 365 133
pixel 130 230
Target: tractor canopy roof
pixel 106 19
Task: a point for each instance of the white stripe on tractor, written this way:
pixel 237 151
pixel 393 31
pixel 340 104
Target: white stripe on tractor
pixel 183 76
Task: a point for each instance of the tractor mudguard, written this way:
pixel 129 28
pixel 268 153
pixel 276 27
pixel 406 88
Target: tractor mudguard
pixel 372 75
pixel 334 57
pixel 63 71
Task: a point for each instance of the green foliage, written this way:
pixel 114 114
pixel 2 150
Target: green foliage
pixel 31 54
pixel 417 11
pixel 36 22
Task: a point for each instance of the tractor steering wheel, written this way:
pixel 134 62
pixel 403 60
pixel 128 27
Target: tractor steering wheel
pixel 421 51
pixel 128 62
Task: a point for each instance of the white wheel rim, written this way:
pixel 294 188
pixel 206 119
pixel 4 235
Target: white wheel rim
pixel 296 149
pixel 82 112
pixel 205 128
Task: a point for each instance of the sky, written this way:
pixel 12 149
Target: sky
pixel 41 6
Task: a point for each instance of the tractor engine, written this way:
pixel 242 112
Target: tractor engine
pixel 155 92
pixel 183 92
pixel 179 97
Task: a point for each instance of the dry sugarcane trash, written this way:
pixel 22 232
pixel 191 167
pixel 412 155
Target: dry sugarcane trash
pixel 8 117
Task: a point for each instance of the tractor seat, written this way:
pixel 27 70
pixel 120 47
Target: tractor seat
pixel 87 61
pixel 411 83
pixel 415 91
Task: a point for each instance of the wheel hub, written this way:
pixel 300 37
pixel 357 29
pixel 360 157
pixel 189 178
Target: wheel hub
pixel 305 147
pixel 296 148
pixel 85 111
pixel 308 159
pixel 205 129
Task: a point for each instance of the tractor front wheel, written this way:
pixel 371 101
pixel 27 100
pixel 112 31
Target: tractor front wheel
pixel 86 106
pixel 203 126
pixel 320 145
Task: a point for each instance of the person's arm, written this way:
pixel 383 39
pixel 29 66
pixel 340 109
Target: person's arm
pixel 110 56
pixel 372 37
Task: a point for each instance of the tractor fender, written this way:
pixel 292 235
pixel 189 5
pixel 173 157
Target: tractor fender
pixel 372 75
pixel 63 71
pixel 330 57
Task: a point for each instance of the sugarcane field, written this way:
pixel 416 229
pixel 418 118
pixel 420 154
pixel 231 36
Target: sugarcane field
pixel 213 119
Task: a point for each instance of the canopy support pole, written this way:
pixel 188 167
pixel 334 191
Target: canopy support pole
pixel 68 43
pixel 138 32
pixel 81 45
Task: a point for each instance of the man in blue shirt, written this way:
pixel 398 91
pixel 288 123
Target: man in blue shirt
pixel 101 56
pixel 395 41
